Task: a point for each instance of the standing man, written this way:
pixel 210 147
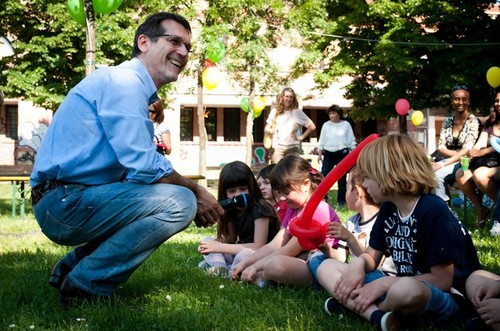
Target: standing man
pixel 336 141
pixel 284 121
pixel 98 181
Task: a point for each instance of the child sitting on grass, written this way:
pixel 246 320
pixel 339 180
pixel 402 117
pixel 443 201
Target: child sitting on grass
pixel 283 260
pixel 354 237
pixel 432 251
pixel 268 193
pixel 242 230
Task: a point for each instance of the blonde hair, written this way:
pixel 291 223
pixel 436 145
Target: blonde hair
pixel 398 165
pixel 355 179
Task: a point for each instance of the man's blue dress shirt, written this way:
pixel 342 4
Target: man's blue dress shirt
pixel 102 133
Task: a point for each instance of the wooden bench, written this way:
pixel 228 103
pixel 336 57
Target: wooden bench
pixel 17 175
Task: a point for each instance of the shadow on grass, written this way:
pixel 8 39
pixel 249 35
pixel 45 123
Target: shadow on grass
pixel 168 291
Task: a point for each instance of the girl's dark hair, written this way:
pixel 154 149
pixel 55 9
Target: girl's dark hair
pixel 158 111
pixel 152 28
pixel 291 171
pixel 266 171
pixel 337 109
pixel 496 117
pixel 235 174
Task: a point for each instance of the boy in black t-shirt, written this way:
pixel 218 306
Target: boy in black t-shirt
pixel 431 249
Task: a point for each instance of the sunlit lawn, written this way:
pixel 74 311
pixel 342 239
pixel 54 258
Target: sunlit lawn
pixel 167 292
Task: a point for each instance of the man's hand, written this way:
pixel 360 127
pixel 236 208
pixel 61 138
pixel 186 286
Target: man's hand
pixel 209 210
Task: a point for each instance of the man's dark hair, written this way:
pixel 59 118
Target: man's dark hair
pixel 152 28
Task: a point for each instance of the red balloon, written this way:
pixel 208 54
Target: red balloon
pixel 402 106
pixel 207 64
pixel 311 235
pixel 310 232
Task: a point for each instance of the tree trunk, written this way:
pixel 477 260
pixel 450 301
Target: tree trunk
pixel 249 128
pixel 90 38
pixel 402 125
pixel 202 133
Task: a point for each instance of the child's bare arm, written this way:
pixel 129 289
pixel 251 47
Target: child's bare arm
pixel 441 276
pixel 338 231
pixel 333 253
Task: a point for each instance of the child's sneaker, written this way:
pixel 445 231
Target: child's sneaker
pixel 333 307
pixel 389 322
pixel 495 229
pixel 204 265
pixel 218 272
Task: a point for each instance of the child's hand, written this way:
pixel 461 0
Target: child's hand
pixel 487 291
pixel 209 246
pixel 350 280
pixel 338 231
pixel 367 294
pixel 489 310
pixel 249 274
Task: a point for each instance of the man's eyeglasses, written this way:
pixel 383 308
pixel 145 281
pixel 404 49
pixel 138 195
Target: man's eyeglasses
pixel 459 87
pixel 176 41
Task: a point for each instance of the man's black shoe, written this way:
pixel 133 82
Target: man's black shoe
pixel 72 294
pixel 59 272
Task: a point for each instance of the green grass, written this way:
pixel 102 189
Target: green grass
pixel 168 292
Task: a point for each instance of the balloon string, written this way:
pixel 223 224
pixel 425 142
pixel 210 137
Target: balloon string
pixel 333 176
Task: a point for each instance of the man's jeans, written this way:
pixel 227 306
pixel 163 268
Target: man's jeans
pixel 120 225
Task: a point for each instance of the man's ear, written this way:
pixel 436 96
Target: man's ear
pixel 143 42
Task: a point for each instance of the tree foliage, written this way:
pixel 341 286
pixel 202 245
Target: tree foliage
pixel 50 45
pixel 415 49
pixel 249 29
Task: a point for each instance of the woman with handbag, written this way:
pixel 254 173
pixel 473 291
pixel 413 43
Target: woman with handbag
pixel 484 167
pixel 284 122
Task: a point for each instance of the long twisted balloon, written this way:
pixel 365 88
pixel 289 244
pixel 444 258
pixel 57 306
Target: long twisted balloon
pixel 308 231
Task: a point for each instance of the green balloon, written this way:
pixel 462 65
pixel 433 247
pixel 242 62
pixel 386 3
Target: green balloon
pixel 76 10
pixel 245 104
pixel 105 6
pixel 215 51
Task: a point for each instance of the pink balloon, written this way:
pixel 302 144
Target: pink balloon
pixel 402 106
pixel 310 233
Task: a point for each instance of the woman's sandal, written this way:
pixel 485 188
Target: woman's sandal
pixel 481 219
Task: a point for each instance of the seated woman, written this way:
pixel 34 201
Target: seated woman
pixel 458 135
pixel 484 168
